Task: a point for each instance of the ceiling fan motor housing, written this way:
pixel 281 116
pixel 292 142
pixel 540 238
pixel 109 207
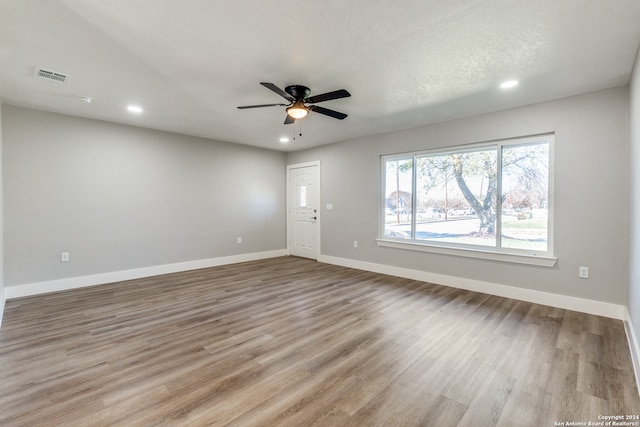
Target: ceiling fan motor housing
pixel 298 91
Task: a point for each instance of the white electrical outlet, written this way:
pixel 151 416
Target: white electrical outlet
pixel 239 240
pixel 583 272
pixel 64 257
pixel 355 243
pixel 329 206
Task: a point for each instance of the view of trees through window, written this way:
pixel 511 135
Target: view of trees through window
pixel 489 196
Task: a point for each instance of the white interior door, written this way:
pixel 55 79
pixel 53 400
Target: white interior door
pixel 303 219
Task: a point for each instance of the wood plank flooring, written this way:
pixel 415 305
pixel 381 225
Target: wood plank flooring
pixel 292 342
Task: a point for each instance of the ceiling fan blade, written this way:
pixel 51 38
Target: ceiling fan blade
pixel 336 94
pixel 277 90
pixel 289 120
pixel 327 112
pixel 244 107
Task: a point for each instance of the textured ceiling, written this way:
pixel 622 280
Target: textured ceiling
pixel 189 63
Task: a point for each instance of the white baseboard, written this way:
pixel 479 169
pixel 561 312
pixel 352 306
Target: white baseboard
pixel 634 346
pixel 138 273
pixel 583 305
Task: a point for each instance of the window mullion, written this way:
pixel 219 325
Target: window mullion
pixel 414 197
pixel 499 198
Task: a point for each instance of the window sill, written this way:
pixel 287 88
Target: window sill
pixel 541 261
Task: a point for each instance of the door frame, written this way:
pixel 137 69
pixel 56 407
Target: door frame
pixel 289 204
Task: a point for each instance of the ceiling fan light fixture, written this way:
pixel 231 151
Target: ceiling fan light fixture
pixel 298 110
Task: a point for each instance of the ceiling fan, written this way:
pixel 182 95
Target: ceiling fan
pixel 298 97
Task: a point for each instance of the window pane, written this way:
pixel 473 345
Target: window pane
pixel 456 197
pixel 398 198
pixel 525 197
pixel 302 196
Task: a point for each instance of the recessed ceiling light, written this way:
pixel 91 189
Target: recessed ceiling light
pixel 134 109
pixel 284 139
pixel 509 84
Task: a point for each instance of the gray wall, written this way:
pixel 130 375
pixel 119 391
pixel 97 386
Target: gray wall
pixel 2 296
pixel 633 301
pixel 120 197
pixel 591 149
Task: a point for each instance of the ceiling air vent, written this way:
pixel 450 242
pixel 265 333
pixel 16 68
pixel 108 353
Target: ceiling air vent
pixel 50 75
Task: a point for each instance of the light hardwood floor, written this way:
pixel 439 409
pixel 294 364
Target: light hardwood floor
pixel 289 341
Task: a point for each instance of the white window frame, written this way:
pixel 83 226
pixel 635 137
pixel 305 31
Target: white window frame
pixel 497 253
